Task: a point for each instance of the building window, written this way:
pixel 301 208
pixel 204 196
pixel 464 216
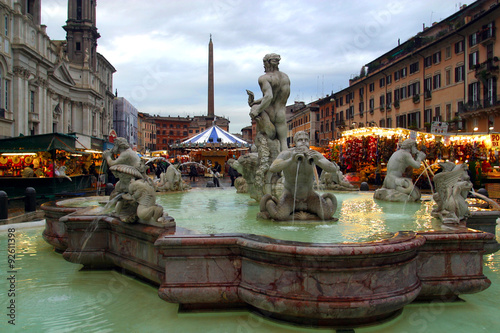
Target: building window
pixel 372 87
pixel 473 59
pixel 448 112
pixel 427 116
pixel 382 101
pixel 372 104
pixel 6 26
pixel 6 99
pixel 459 73
pixel 401 121
pixel 414 120
pixel 361 107
pixel 428 61
pixel 389 122
pixel 414 67
pixel 473 39
pixel 437 113
pixel 490 91
pixel 448 52
pixel 474 92
pixel 436 81
pixel 459 46
pixel 402 92
pixel 382 82
pixel 78 46
pixel 428 84
pixel 414 89
pixel 32 101
pixel 448 77
pixel 489 51
pixel 436 58
pixel 396 95
pixel 388 99
pixel 403 72
pixel 397 75
pixel 389 79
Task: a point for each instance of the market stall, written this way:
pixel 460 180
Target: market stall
pixel 50 163
pixel 363 153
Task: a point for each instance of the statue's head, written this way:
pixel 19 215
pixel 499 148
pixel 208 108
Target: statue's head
pixel 121 144
pixel 408 144
pixel 271 62
pixel 301 140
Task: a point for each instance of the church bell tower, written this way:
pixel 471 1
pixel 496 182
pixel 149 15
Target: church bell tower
pixel 81 33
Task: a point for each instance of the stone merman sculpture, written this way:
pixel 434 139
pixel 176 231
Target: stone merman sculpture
pixel 299 201
pixel 452 186
pixel 135 201
pixel 396 187
pixel 171 180
pixel 335 181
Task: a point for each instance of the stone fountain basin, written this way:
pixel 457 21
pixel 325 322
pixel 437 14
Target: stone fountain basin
pixel 342 284
pixel 55 232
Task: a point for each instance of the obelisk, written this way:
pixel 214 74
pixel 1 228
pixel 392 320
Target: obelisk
pixel 211 112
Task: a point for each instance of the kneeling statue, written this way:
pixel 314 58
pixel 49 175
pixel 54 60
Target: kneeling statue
pixel 299 201
pixel 396 187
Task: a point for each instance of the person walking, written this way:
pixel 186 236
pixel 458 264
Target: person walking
pixel 193 173
pixel 216 173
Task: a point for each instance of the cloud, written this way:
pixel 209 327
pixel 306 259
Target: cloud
pixel 160 48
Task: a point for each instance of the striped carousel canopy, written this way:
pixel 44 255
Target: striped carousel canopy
pixel 215 134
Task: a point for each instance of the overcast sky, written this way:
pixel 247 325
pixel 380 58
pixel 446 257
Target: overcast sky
pixel 160 48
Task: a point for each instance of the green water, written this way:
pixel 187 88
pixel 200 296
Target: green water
pixel 53 295
pixel 360 217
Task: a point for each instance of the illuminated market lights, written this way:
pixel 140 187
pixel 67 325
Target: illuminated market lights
pixel 18 154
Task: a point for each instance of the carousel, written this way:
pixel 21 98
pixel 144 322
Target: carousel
pixel 212 145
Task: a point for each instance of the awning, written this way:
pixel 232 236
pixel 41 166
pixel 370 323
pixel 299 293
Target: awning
pixel 34 143
pixel 213 136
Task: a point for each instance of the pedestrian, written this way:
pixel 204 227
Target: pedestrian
pixel 216 173
pixel 233 174
pixel 193 173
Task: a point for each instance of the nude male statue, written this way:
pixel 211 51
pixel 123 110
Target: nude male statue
pixel 269 111
pixel 406 156
pixel 297 165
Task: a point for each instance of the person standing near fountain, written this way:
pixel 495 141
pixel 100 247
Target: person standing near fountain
pixel 396 187
pixel 297 165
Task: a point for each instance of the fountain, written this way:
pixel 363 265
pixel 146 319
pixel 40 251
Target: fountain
pixel 316 282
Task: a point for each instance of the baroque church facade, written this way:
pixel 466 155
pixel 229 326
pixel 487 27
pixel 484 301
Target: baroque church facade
pixel 49 86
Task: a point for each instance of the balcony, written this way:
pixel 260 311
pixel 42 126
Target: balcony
pixel 416 98
pixel 382 107
pixel 487 35
pixel 396 104
pixel 428 94
pixel 487 69
pixel 472 108
pixel 389 106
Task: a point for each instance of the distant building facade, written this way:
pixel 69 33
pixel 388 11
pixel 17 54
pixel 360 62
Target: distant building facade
pixel 53 86
pixel 146 133
pixel 172 130
pixel 125 120
pixel 446 73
